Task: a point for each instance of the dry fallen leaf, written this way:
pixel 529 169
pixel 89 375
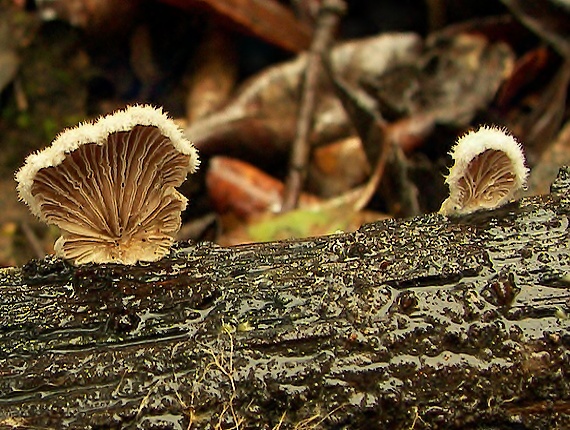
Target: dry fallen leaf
pixel 238 187
pixel 212 76
pixel 337 168
pixel 457 77
pixel 454 79
pixel 304 222
pixel 266 19
pixel 260 122
pixel 526 69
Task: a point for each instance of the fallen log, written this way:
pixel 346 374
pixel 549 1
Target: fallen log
pixel 427 322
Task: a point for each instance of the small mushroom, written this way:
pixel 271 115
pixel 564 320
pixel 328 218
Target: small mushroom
pixel 109 185
pixel 489 170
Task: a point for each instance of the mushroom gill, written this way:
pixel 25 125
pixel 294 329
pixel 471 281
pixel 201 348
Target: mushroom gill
pixel 488 171
pixel 110 186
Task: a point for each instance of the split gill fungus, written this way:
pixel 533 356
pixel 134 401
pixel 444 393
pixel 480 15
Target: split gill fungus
pixel 109 185
pixel 488 171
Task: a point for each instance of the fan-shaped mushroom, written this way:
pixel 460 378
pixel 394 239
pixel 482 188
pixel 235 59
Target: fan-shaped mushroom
pixel 110 185
pixel 489 169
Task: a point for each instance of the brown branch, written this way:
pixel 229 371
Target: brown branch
pixel 419 323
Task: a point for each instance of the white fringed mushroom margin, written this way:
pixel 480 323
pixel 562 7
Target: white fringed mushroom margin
pixel 97 132
pixel 472 145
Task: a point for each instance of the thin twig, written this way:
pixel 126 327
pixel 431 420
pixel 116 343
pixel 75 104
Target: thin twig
pixel 328 19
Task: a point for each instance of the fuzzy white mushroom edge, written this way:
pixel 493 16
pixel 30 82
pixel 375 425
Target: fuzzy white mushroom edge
pixel 489 170
pixel 109 185
pixel 97 132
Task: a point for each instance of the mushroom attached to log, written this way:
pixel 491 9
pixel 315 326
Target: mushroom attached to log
pixel 488 171
pixel 109 186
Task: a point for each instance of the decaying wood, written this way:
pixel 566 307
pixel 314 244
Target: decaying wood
pixel 405 324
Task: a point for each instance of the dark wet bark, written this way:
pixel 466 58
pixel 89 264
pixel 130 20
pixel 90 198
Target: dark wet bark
pixel 421 323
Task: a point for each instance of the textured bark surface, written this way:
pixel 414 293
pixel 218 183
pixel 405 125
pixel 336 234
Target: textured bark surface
pixel 405 324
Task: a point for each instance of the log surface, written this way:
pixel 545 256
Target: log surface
pixel 428 322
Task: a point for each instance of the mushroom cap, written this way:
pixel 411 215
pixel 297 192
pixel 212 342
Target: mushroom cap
pixel 488 171
pixel 109 185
